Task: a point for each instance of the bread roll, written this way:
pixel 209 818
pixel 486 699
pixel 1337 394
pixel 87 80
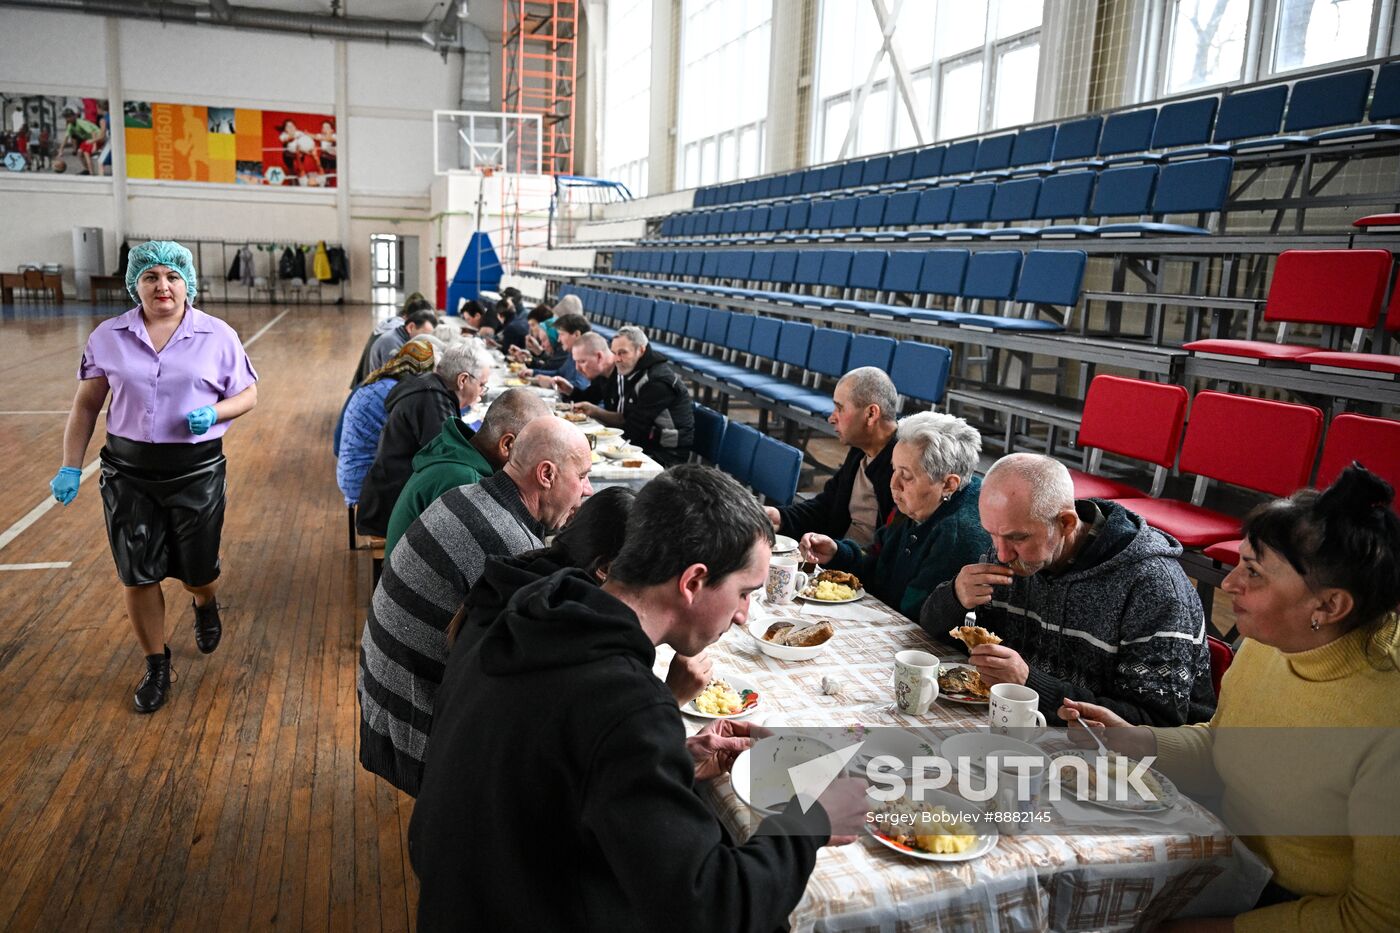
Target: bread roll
pixel 776 631
pixel 809 636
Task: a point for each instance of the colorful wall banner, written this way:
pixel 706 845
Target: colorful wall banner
pixel 184 142
pixel 54 135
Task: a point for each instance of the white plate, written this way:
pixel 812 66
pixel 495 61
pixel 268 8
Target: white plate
pixel 960 698
pixel 782 544
pixel 890 740
pixel 787 750
pixel 740 684
pixel 985 843
pixel 1170 795
pixel 860 594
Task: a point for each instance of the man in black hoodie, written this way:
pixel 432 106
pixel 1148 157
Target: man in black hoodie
pixel 417 408
pixel 559 789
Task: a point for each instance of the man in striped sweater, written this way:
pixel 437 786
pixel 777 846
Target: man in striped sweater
pixel 442 555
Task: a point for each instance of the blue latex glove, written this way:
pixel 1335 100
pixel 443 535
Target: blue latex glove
pixel 64 485
pixel 202 419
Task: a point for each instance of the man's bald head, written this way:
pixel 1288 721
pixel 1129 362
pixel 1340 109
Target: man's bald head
pixel 549 464
pixel 504 421
pixel 1041 484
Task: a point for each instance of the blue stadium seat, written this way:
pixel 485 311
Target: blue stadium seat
pixel 972 204
pixel 709 433
pixel 819 214
pixel 875 170
pixel 928 163
pixel 867 269
pixel 794 343
pixel 1331 100
pixel 1185 123
pixel 762 268
pixel 1078 139
pixel 799 215
pixel 871 350
pixel 736 450
pixel 901 167
pixel 809 267
pixel 836 268
pixel 870 211
pixel 828 352
pixel 991 274
pixel 920 370
pixel 785 266
pixel 1385 105
pixel 843 213
pixel 851 173
pixel 1120 192
pixel 776 469
pixel 792 183
pixel 1254 117
pixel 1194 187
pixel 900 209
pixel 1065 196
pixel 697 318
pixel 831 178
pixel 943 272
pixel 811 181
pixel 1128 133
pixel 994 153
pixel 764 343
pixel 1052 277
pixel 902 271
pixel 1034 146
pixel 961 158
pixel 717 328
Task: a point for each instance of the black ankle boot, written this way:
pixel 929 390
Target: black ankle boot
pixel 207 627
pixel 150 693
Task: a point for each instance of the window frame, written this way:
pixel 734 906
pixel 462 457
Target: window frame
pixel 1260 47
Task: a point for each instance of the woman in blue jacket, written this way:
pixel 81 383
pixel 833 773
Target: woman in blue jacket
pixel 362 419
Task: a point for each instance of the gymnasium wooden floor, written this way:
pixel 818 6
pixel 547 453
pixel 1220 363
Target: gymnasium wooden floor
pixel 241 804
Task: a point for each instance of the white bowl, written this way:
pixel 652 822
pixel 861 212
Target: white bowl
pixel 758 624
pixel 773 788
pixel 977 747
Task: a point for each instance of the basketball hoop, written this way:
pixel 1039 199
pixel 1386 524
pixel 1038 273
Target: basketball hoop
pixel 487 171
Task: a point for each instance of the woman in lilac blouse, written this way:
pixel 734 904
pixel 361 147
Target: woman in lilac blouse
pixel 177 377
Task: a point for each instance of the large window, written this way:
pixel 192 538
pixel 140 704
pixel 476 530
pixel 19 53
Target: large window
pixel 627 94
pixel 969 66
pixel 724 89
pixel 1211 42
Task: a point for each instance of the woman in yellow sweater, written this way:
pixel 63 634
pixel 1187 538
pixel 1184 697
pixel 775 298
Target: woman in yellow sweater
pixel 1315 595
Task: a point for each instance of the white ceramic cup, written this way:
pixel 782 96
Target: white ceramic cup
pixel 785 581
pixel 915 681
pixel 1013 706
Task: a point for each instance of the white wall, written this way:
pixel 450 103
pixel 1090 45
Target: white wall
pixel 385 141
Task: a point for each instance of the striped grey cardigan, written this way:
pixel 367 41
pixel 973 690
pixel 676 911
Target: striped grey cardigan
pixel 404 645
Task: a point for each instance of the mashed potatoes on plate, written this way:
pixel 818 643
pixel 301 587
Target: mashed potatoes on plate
pixel 831 592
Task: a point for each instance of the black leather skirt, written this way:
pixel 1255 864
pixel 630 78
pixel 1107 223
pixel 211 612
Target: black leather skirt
pixel 164 505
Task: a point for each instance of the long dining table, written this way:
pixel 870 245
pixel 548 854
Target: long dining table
pixel 1183 862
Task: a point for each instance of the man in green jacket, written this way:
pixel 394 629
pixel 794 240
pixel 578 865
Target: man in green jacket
pixel 459 457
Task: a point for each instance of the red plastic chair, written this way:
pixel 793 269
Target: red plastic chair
pixel 1221 657
pixel 1332 287
pixel 1134 418
pixel 1325 360
pixel 1255 443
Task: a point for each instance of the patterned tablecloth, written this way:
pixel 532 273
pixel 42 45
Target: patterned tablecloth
pixel 1027 882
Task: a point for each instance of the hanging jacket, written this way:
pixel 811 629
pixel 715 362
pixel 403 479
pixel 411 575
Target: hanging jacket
pixel 287 265
pixel 248 266
pixel 340 266
pixel 235 271
pixel 298 263
pixel 122 259
pixel 321 263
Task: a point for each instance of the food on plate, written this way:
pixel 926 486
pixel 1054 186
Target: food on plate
pixel 776 631
pixel 515 366
pixel 577 417
pixel 1119 767
pixel 632 463
pixel 720 699
pixel 973 635
pixel 924 828
pixel 515 382
pixel 830 592
pixel 963 680
pixel 839 577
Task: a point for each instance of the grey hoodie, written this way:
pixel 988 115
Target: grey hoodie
pixel 1121 627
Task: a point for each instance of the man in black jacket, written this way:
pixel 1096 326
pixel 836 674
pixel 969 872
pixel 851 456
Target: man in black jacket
pixel 656 411
pixel 594 359
pixel 559 789
pixel 856 501
pixel 417 408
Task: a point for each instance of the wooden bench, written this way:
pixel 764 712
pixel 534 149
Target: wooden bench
pixel 106 283
pixel 376 558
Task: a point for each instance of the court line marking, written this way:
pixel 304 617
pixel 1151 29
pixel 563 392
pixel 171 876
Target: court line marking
pixel 38 512
pixel 47 565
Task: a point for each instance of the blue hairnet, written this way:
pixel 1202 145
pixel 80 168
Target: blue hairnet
pixel 161 253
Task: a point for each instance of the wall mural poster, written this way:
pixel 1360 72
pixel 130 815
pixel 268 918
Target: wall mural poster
pixel 55 135
pixel 182 142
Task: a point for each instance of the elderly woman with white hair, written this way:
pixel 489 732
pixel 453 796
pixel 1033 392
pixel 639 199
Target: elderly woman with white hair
pixel 936 530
